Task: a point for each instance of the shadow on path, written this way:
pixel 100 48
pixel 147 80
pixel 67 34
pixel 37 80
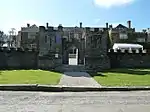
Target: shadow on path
pixel 77 74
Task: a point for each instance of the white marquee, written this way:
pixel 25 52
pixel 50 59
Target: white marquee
pixel 123 46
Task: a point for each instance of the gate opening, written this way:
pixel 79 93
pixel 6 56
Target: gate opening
pixel 73 57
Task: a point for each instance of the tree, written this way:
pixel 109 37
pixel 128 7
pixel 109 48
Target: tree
pixel 2 38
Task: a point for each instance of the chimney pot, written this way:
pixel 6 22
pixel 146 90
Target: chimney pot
pixel 129 24
pixel 107 25
pixel 47 25
pixel 28 25
pixel 110 26
pixel 80 24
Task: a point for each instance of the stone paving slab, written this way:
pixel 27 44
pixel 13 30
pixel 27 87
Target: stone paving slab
pixel 78 79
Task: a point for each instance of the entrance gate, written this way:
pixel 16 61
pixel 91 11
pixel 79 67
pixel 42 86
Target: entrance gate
pixel 73 58
pixel 73 53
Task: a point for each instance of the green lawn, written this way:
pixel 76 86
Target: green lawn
pixel 123 77
pixel 29 77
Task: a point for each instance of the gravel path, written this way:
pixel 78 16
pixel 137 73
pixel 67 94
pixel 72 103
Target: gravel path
pixel 78 79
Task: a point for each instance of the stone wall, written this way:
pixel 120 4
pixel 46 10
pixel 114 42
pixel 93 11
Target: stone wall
pixel 45 62
pixel 25 59
pixel 97 63
pixel 129 59
pixel 17 59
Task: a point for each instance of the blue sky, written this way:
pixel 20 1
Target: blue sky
pixel 16 13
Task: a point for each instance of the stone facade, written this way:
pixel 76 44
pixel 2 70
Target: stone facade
pixel 18 40
pixel 60 41
pixel 92 43
pixel 123 34
pixel 72 39
pixel 148 31
pixel 28 37
pixel 96 49
pixel 50 46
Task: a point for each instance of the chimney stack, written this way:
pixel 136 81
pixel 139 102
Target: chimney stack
pixel 42 28
pixel 46 25
pixel 60 27
pixel 80 24
pixel 107 25
pixel 28 25
pixel 110 26
pixel 129 24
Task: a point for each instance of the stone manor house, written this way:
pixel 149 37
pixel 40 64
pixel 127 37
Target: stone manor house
pixel 88 46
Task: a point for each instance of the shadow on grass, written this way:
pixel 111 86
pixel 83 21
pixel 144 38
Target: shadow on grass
pixel 93 74
pixel 129 71
pixel 121 71
pixel 1 73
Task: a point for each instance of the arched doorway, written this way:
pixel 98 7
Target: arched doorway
pixel 73 56
pixel 73 51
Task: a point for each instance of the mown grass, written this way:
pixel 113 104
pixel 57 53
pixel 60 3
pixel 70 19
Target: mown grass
pixel 123 77
pixel 29 77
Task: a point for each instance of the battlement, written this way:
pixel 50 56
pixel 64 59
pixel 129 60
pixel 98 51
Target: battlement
pixel 6 49
pixel 129 58
pixel 137 51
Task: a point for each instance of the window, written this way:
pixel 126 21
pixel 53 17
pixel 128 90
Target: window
pixel 32 46
pixel 32 35
pixel 50 42
pixel 76 35
pixel 123 36
pixel 45 39
pixel 140 39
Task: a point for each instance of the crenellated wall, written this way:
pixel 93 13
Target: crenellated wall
pixel 18 59
pixel 29 59
pixel 129 59
pixel 26 59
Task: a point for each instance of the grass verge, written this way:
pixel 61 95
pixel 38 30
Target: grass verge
pixel 29 77
pixel 123 77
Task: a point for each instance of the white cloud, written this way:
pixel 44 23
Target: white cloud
pixel 112 3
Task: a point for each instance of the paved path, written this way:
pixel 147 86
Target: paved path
pixel 75 102
pixel 78 79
